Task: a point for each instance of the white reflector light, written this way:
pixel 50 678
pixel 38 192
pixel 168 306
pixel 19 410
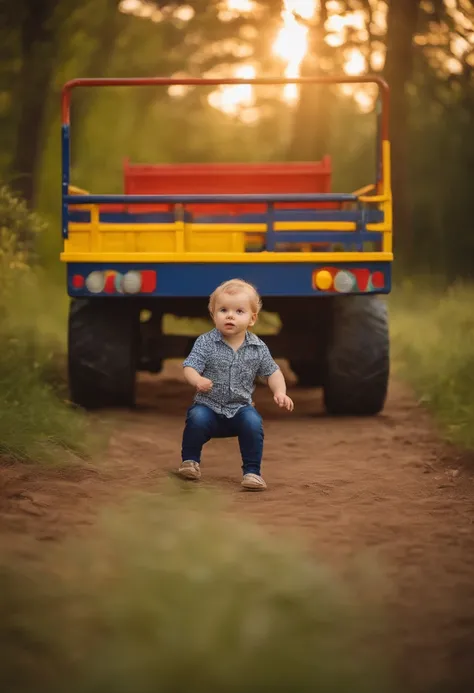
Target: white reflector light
pixel 343 282
pixel 132 283
pixel 95 282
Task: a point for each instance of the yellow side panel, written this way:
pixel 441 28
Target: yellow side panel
pixel 150 241
pixel 78 242
pixel 112 242
pixel 202 242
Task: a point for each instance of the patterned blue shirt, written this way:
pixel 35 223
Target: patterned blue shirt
pixel 233 373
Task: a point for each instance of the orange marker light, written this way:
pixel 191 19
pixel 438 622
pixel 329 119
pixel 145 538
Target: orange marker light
pixel 322 280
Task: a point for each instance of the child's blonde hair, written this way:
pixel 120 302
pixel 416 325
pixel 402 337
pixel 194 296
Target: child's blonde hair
pixel 235 286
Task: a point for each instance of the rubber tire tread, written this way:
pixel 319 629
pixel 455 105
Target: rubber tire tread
pixel 102 352
pixel 358 357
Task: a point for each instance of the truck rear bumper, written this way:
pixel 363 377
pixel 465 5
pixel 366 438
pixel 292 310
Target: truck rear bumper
pixel 199 279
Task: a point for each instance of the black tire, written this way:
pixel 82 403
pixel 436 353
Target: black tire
pixel 102 352
pixel 358 357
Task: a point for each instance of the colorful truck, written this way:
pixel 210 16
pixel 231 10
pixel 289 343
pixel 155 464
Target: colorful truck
pixel 320 259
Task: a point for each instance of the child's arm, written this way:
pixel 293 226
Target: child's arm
pixel 195 364
pixel 276 381
pixel 193 378
pixel 277 384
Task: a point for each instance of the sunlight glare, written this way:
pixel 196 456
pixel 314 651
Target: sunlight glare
pixel 129 6
pixel 356 20
pixel 364 99
pixel 454 66
pixel 377 60
pixel 334 40
pixel 355 63
pixel 232 9
pixel 291 42
pixel 291 46
pixel 241 6
pixel 335 23
pixel 185 13
pixel 229 99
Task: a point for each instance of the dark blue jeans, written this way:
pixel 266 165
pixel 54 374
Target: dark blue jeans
pixel 202 424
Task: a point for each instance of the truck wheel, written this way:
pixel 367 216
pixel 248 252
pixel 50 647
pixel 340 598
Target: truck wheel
pixel 357 359
pixel 102 352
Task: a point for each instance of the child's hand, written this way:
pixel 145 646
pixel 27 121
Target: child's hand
pixel 204 385
pixel 284 401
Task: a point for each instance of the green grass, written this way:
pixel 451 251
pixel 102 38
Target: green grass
pixel 36 422
pixel 172 595
pixel 432 348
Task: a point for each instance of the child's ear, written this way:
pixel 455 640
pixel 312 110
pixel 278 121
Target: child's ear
pixel 253 319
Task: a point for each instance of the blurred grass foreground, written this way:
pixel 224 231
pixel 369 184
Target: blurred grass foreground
pixel 172 595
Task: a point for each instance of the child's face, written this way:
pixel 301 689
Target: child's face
pixel 233 313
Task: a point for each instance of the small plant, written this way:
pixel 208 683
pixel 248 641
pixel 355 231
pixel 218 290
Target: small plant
pixel 19 228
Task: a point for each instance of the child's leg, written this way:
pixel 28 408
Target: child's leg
pixel 201 425
pixel 248 426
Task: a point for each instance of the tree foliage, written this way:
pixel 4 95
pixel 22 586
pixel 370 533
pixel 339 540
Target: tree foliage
pixel 424 49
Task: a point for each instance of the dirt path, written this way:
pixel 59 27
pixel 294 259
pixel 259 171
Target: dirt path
pixel 384 486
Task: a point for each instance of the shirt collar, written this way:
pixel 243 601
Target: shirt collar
pixel 250 338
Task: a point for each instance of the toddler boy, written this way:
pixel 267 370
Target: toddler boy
pixel 223 366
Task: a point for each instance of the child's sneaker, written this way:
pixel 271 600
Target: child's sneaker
pixel 190 470
pixel 253 482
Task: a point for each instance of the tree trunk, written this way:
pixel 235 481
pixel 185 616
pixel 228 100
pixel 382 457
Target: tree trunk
pixel 97 66
pixel 38 47
pixel 401 26
pixel 311 122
